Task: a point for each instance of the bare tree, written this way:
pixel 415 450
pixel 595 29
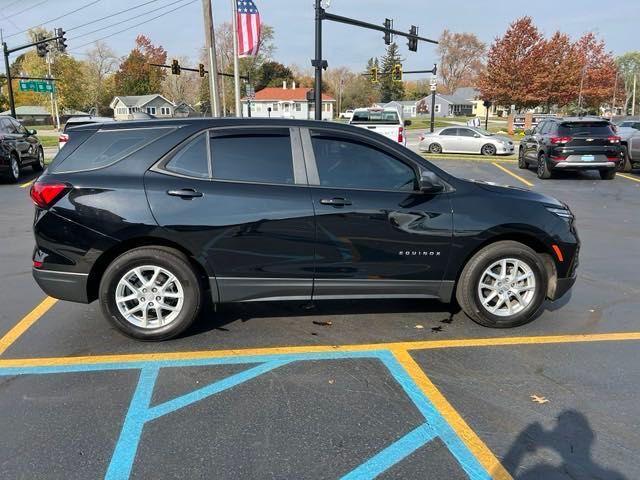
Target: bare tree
pixel 183 87
pixel 461 59
pixel 101 63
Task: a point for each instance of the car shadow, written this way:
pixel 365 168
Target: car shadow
pixel 571 439
pixel 223 314
pixel 26 176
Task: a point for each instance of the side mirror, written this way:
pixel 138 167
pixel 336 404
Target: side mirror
pixel 529 131
pixel 407 123
pixel 32 132
pixel 430 183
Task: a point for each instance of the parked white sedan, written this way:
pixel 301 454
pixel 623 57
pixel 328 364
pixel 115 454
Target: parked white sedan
pixel 465 140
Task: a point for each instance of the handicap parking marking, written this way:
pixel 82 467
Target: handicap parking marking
pixel 25 323
pixel 628 177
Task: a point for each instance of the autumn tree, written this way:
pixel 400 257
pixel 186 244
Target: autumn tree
pixel 390 89
pixel 461 57
pixel 628 68
pixel 135 76
pixel 512 62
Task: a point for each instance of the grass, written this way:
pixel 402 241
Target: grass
pixel 48 141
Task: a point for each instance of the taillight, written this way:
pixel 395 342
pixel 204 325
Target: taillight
pixel 45 194
pixel 558 158
pixel 63 138
pixel 557 140
pixel 614 139
pixel 400 135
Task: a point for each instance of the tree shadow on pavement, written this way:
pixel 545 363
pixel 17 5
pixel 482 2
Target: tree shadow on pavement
pixel 572 439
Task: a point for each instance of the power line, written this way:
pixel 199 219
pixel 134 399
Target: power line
pixel 125 20
pixel 111 15
pixel 12 4
pixel 27 9
pixel 54 19
pixel 134 26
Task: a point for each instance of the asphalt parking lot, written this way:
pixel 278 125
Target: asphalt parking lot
pixel 388 389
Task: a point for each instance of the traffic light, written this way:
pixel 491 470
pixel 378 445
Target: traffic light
pixel 201 69
pixel 374 74
pixel 61 41
pixel 413 39
pixel 42 48
pixel 388 25
pixel 175 67
pixel 396 73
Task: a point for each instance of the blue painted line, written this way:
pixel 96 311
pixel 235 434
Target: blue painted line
pixel 127 445
pixel 468 462
pixel 393 454
pixel 217 387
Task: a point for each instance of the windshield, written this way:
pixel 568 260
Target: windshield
pixel 585 128
pixel 376 116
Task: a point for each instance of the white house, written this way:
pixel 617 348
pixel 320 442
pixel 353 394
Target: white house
pixel 125 106
pixel 408 108
pixel 276 102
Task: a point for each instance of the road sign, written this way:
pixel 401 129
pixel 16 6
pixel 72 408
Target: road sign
pixel 40 86
pixel 433 88
pixel 433 81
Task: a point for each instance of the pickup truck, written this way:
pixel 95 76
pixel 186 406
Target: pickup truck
pixel 385 121
pixel 630 141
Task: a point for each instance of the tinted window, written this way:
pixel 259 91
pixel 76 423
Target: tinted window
pixel 465 132
pixel 376 116
pixel 253 157
pixel 585 128
pixel 109 146
pixel 18 126
pixel 8 126
pixel 191 160
pixel 449 131
pixel 349 164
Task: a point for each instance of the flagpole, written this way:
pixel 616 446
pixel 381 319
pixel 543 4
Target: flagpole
pixel 236 65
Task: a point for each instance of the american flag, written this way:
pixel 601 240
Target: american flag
pixel 248 28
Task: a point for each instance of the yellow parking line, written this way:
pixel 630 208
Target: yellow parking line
pixel 25 185
pixel 629 177
pixel 24 324
pixel 470 159
pixel 420 345
pixel 518 177
pixel 477 447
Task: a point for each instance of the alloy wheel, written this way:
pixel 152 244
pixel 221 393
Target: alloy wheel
pixel 488 150
pixel 41 158
pixel 507 287
pixel 15 168
pixel 149 296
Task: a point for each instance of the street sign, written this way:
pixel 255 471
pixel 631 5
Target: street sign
pixel 250 92
pixel 433 88
pixel 433 81
pixel 40 86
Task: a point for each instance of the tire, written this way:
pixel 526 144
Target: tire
pixel 625 164
pixel 435 148
pixel 488 150
pixel 522 163
pixel 14 168
pixel 182 298
pixel 608 174
pixel 39 165
pixel 543 169
pixel 468 291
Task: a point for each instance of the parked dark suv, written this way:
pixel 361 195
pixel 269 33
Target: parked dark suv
pixel 583 143
pixel 19 148
pixel 154 217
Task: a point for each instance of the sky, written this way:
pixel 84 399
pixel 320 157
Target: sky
pixel 181 32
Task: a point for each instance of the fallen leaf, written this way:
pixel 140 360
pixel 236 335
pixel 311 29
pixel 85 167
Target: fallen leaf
pixel 419 327
pixel 328 323
pixel 539 399
pixel 331 381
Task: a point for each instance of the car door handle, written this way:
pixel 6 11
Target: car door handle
pixel 186 193
pixel 335 202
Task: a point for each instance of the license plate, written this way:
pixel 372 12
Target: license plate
pixel 588 158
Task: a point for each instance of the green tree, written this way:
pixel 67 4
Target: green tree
pixel 390 89
pixel 272 74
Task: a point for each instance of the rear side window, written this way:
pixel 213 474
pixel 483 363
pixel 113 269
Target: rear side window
pixel 585 128
pixel 107 147
pixel 192 160
pixel 376 117
pixel 263 157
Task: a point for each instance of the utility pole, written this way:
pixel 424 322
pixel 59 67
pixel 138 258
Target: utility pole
pixel 236 62
pixel 317 62
pixel 210 42
pixel 55 115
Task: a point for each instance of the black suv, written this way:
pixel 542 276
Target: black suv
pixel 581 143
pixel 154 217
pixel 19 148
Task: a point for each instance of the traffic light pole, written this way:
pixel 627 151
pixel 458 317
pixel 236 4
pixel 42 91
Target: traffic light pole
pixel 318 62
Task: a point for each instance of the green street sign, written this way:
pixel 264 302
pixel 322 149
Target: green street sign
pixel 40 86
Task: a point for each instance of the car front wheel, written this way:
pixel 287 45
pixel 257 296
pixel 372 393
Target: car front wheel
pixel 14 168
pixel 488 150
pixel 150 293
pixel 503 285
pixel 435 148
pixel 522 163
pixel 543 170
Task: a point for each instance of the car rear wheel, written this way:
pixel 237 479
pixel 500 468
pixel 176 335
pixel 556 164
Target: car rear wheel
pixel 39 165
pixel 503 285
pixel 150 293
pixel 522 163
pixel 543 169
pixel 608 174
pixel 488 150
pixel 435 148
pixel 624 165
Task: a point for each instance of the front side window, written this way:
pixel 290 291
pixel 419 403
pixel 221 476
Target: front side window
pixel 192 160
pixel 465 132
pixel 8 126
pixel 449 132
pixel 254 156
pixel 345 163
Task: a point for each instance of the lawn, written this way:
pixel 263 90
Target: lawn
pixel 48 141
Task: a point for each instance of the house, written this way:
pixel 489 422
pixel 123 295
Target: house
pixel 125 106
pixel 276 102
pixel 39 115
pixel 460 103
pixel 408 108
pixel 183 110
